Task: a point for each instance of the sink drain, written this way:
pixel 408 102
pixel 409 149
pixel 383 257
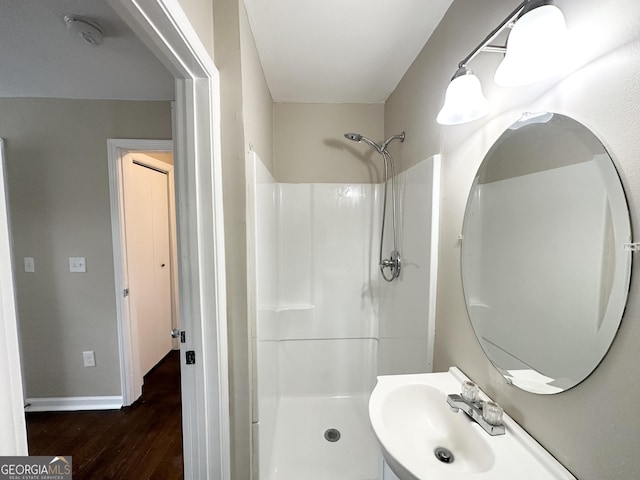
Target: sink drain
pixel 332 435
pixel 444 455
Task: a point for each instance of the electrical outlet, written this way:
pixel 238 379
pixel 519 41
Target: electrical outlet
pixel 89 358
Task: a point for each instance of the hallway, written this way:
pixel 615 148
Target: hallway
pixel 140 442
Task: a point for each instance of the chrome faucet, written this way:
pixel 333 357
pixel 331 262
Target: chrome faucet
pixel 474 408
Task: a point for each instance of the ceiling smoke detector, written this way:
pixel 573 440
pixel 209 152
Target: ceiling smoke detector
pixel 90 32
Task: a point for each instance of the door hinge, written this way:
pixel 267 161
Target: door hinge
pixel 125 293
pixel 182 337
pixel 191 357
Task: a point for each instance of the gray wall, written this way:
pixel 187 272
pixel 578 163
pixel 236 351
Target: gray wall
pixel 56 155
pixel 223 29
pixel 234 53
pixel 309 143
pixel 256 98
pixel 200 15
pixel 593 428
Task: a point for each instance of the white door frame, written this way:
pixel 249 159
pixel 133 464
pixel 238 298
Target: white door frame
pixel 131 378
pixel 13 434
pixel 164 28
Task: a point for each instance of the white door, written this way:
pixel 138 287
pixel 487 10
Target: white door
pixel 148 257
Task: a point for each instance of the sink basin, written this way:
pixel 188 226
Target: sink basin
pixel 412 420
pixel 417 420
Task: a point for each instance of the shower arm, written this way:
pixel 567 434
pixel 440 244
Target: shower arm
pixel 384 145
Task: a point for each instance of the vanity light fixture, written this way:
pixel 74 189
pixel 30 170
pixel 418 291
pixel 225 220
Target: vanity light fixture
pixel 534 50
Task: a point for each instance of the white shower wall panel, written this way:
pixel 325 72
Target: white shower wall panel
pixel 326 261
pixel 345 224
pixel 268 403
pixel 407 305
pixel 295 249
pixel 267 232
pixel 327 367
pixel 262 222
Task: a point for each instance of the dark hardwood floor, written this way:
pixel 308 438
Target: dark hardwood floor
pixel 140 442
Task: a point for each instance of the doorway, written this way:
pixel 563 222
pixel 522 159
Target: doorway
pixel 143 225
pixel 148 241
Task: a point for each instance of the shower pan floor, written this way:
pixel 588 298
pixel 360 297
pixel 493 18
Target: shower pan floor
pixel 301 450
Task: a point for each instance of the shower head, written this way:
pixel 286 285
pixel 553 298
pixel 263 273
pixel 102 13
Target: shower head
pixel 356 137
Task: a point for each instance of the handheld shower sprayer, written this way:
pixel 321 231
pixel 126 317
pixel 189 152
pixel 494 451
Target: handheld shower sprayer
pixel 393 263
pixel 356 137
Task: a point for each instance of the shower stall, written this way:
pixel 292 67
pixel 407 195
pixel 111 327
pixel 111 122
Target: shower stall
pixel 324 321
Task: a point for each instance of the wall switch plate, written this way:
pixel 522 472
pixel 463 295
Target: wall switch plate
pixel 77 264
pixel 89 358
pixel 29 264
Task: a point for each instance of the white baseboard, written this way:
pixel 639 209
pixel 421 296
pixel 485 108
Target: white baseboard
pixel 70 404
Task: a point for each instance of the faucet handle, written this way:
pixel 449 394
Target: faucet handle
pixel 470 391
pixel 492 413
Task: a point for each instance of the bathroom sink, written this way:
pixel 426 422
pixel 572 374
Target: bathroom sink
pixel 423 439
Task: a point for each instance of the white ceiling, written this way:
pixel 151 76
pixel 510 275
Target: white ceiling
pixel 340 51
pixel 324 51
pixel 40 58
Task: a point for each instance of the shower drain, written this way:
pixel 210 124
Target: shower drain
pixel 332 435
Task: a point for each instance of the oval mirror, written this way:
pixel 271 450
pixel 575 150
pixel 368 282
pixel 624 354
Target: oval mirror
pixel 545 260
